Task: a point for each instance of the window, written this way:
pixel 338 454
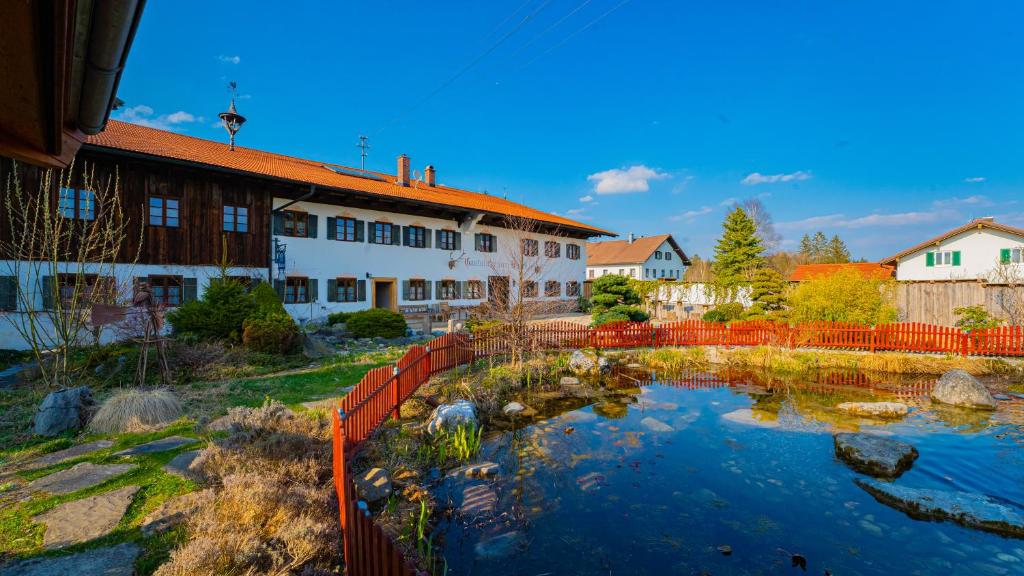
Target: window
pixel 8 293
pixel 296 224
pixel 345 229
pixel 604 272
pixel 90 283
pixel 529 247
pixel 647 272
pixel 163 211
pixel 632 272
pixel 447 290
pixel 486 243
pixel 657 255
pixel 475 290
pixel 77 204
pixel 446 240
pixel 572 288
pixel 552 288
pixel 417 290
pixel 296 290
pixel 382 233
pixel 416 236
pixel 591 273
pixel 662 273
pixel 572 251
pixel 944 258
pixel 530 288
pixel 668 255
pixel 236 218
pixel 1006 256
pixel 166 289
pixel 346 290
pixel 552 249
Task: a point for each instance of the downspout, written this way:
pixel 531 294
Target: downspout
pixel 114 23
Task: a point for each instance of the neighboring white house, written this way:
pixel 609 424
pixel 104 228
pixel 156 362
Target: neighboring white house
pixel 644 258
pixel 982 249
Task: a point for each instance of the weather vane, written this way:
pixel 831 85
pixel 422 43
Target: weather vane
pixel 231 119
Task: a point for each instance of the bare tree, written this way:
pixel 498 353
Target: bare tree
pixel 523 285
pixel 1006 280
pixel 758 212
pixel 64 244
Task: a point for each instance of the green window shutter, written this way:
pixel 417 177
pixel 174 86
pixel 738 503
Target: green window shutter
pixel 929 259
pixel 332 228
pixel 311 289
pixel 361 290
pixel 426 238
pixel 48 286
pixel 396 235
pixel 189 290
pixel 332 289
pixel 437 238
pixel 1004 255
pixel 311 226
pixel 458 240
pixel 956 258
pixel 360 231
pixel 8 293
pixel 427 287
pixel 279 288
pixel 405 290
pixel 458 290
pixel 477 242
pixel 405 235
pixel 278 224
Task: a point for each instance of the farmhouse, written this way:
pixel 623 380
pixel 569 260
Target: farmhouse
pixel 982 249
pixel 329 237
pixel 646 257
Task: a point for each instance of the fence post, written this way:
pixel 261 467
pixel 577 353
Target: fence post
pixel 342 485
pixel 429 368
pixel 872 339
pixel 396 385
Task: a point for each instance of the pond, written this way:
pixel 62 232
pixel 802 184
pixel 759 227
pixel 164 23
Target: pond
pixel 730 473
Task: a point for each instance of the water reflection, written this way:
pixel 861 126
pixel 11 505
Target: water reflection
pixel 658 476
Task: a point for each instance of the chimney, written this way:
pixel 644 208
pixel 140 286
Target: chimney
pixel 430 175
pixel 403 170
pixel 630 237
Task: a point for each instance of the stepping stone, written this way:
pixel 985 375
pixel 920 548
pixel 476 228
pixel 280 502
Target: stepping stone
pixel 480 470
pixel 179 466
pixel 161 445
pixel 112 561
pixel 875 455
pixel 875 409
pixel 67 454
pixel 78 477
pixel 1001 397
pixel 373 484
pixel 655 425
pixel 174 511
pixel 478 500
pixel 86 519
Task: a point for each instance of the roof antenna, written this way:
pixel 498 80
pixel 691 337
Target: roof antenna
pixel 231 119
pixel 362 153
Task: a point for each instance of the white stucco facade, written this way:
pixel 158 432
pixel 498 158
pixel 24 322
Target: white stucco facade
pixel 977 254
pixel 664 262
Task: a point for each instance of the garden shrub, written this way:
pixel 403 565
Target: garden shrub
pixel 136 410
pixel 274 333
pixel 338 318
pixel 727 312
pixel 377 322
pixel 480 325
pixel 612 290
pixel 976 317
pixel 218 315
pixel 843 296
pixel 608 318
pixel 267 300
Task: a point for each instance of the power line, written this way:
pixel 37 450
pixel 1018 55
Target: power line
pixel 536 37
pixel 580 31
pixel 468 66
pixel 507 18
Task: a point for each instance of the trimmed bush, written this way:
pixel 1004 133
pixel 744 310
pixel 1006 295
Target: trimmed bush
pixel 337 318
pixel 376 322
pixel 608 318
pixel 724 312
pixel 274 333
pixel 218 315
pixel 136 410
pixel 267 300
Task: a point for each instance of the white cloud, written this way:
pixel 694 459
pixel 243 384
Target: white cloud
pixel 625 180
pixel 974 179
pixel 831 221
pixel 690 215
pixel 587 198
pixel 230 59
pixel 145 116
pixel 575 211
pixel 755 178
pixel 974 200
pixel 729 201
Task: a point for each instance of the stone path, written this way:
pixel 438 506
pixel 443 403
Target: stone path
pixel 86 519
pixel 179 466
pixel 161 445
pixel 174 511
pixel 477 500
pixel 78 477
pixel 67 454
pixel 112 561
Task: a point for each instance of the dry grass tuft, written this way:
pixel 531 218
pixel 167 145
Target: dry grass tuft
pixel 273 512
pixel 136 410
pixel 674 359
pixel 785 360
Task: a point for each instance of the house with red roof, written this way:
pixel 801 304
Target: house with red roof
pixel 872 270
pixel 981 249
pixel 656 257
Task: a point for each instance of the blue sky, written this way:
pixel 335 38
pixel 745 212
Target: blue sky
pixel 883 122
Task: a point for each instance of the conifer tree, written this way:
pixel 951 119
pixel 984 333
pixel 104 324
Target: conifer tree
pixel 768 294
pixel 806 249
pixel 837 252
pixel 819 248
pixel 738 252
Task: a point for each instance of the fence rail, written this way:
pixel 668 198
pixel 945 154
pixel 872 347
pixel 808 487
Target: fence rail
pixel 380 394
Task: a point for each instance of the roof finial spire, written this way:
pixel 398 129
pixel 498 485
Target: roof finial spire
pixel 231 119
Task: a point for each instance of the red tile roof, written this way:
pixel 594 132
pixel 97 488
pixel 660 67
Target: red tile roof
pixel 626 252
pixel 873 270
pixel 973 224
pixel 162 144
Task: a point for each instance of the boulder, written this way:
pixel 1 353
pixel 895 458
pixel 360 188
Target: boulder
pixel 875 409
pixel 968 509
pixel 581 363
pixel 959 388
pixel 604 366
pixel 451 415
pixel 64 410
pixel 875 455
pixel 373 484
pixel 513 408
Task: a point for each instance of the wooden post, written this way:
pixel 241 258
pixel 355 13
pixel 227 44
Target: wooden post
pixel 342 484
pixel 872 339
pixel 396 398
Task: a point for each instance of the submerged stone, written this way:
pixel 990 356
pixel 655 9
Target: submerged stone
pixel 959 388
pixel 655 425
pixel 750 418
pixel 499 546
pixel 875 455
pixel 478 500
pixel 478 470
pixel 968 509
pixel 875 409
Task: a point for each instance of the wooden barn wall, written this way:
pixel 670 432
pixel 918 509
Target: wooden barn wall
pixel 933 302
pixel 199 239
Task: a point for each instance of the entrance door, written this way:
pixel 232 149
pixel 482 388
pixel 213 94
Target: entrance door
pixel 497 291
pixel 384 294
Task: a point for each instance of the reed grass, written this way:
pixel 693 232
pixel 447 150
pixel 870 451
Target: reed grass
pixel 136 410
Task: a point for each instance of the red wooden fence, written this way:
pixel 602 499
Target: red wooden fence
pixel 380 394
